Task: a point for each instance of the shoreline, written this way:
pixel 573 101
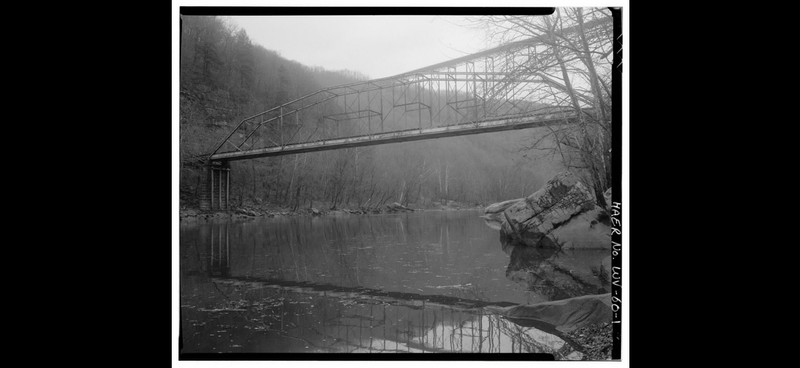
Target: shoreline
pixel 187 214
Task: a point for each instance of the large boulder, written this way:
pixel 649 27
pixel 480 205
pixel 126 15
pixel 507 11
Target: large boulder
pixel 562 214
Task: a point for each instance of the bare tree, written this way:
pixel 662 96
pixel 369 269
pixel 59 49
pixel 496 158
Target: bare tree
pixel 574 58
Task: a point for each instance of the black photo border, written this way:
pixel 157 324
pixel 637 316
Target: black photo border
pixel 617 186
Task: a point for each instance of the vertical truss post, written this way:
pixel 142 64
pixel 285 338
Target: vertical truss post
pixel 438 97
pixel 391 108
pixel 485 79
pixel 280 127
pixel 381 98
pixel 419 106
pixel 430 101
pixel 369 113
pixel 455 79
pixel 405 104
pixel 474 91
pixel 494 81
pixel 446 95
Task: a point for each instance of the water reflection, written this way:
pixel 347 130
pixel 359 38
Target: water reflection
pixel 415 282
pixel 278 318
pixel 434 252
pixel 219 251
pixel 557 274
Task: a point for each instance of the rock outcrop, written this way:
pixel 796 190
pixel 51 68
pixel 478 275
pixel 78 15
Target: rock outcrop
pixel 562 214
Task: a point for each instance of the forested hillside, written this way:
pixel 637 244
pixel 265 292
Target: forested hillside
pixel 224 77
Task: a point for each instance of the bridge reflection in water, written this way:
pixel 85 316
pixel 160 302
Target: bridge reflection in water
pixel 346 321
pixel 258 314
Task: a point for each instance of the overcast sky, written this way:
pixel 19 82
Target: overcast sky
pixel 378 46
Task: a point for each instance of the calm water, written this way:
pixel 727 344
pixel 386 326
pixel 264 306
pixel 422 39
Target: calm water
pixel 415 282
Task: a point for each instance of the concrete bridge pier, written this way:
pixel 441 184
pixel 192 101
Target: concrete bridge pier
pixel 215 188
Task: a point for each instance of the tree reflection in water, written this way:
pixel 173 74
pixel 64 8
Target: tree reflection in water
pixel 307 319
pixel 390 283
pixel 557 274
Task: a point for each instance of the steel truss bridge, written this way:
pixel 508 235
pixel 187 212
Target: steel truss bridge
pixel 503 88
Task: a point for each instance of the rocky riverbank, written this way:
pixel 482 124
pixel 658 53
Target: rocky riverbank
pixel 597 341
pixel 189 213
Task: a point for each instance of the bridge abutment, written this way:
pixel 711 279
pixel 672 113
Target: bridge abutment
pixel 215 187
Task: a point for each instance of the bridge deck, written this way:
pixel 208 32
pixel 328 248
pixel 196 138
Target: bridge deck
pixel 401 136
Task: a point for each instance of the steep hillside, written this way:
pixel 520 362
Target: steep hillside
pixel 225 77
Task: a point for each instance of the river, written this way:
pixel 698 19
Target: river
pixel 391 283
